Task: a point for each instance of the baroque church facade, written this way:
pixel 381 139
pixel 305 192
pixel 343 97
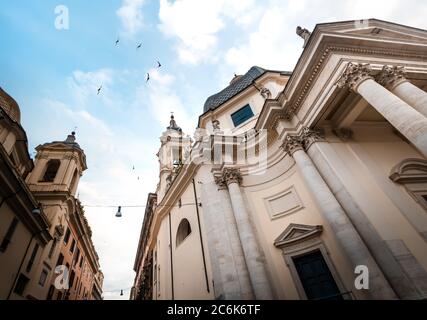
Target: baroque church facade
pixel 310 184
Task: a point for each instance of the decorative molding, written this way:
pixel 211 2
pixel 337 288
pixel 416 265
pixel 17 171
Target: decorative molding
pixel 294 234
pixel 391 76
pixel 310 136
pixel 59 231
pixel 292 144
pixel 354 74
pixel 283 203
pixel 344 134
pixel 410 170
pixel 295 106
pixel 232 175
pixel 221 183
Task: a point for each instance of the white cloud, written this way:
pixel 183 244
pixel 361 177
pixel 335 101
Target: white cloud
pixel 196 23
pixel 272 42
pixel 163 99
pixel 131 17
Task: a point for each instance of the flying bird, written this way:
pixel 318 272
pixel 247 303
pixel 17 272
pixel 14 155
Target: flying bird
pixel 158 64
pixel 99 90
pixel 117 41
pixel 148 77
pixel 139 46
pixel 133 168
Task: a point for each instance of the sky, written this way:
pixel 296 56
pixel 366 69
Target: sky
pixel 54 74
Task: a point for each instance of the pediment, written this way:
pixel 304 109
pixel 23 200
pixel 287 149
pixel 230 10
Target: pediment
pixel 295 233
pixel 376 29
pixel 411 170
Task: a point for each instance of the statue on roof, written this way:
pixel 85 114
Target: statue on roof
pixel 173 125
pixel 303 33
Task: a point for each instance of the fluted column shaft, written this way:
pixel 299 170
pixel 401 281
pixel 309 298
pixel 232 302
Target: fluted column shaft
pixel 254 257
pixel 394 78
pixel 408 121
pixel 345 233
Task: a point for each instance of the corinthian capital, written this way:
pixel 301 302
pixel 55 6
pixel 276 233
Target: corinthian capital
pixel 232 175
pixel 221 183
pixel 292 144
pixel 310 136
pixel 354 75
pixel 391 76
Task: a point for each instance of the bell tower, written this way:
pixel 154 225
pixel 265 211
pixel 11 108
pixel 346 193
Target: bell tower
pixel 172 153
pixel 58 167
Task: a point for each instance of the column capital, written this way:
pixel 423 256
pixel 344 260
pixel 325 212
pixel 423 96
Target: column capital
pixel 310 136
pixel 232 175
pixel 391 76
pixel 220 182
pixel 354 74
pixel 292 144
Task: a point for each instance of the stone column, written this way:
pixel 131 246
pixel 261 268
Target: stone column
pixel 254 257
pixel 408 121
pixel 246 291
pixel 346 235
pixel 394 79
pixel 231 279
pixel 314 143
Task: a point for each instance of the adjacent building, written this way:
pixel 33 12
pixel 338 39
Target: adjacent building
pixel 47 250
pixel 303 184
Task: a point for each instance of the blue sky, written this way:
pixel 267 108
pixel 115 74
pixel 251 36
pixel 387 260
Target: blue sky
pixel 54 76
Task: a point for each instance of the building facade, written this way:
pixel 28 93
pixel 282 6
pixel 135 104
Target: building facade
pixel 43 226
pixel 310 184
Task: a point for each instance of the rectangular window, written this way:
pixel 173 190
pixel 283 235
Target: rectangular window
pixel 43 277
pixel 9 234
pixel 81 261
pixel 316 278
pixel 73 246
pixel 50 293
pixel 32 258
pixel 242 115
pixel 60 260
pixel 77 256
pixel 52 248
pixel 21 284
pixel 72 276
pixel 67 236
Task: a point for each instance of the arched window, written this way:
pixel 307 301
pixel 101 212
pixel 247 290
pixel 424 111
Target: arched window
pixel 51 170
pixel 184 230
pixel 412 174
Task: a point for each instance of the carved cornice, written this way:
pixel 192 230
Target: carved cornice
pixel 296 234
pixel 232 175
pixel 354 74
pixel 294 106
pixel 292 144
pixel 309 136
pixel 391 76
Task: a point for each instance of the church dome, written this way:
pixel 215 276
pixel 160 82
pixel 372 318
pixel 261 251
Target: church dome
pixel 9 106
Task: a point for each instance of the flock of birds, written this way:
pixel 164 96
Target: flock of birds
pixel 159 65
